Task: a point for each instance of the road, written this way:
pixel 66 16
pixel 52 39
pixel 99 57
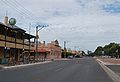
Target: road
pixel 115 68
pixel 74 70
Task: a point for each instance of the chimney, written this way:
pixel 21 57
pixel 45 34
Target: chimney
pixel 6 20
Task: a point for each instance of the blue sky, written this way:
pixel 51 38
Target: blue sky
pixel 85 24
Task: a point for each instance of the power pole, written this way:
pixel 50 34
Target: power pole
pixel 37 37
pixel 29 41
pixel 65 49
pixel 37 42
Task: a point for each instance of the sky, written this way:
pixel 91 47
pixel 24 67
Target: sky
pixel 83 24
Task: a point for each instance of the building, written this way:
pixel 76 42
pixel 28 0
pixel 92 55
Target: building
pixel 42 52
pixel 50 50
pixel 15 44
pixel 55 50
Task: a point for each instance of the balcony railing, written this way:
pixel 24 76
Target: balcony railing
pixel 2 37
pixel 19 43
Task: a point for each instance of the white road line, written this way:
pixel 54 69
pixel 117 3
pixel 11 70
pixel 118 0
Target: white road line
pixel 59 69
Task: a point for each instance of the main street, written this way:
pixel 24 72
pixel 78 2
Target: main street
pixel 74 70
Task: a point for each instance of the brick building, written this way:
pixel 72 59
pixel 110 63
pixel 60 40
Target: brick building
pixel 50 50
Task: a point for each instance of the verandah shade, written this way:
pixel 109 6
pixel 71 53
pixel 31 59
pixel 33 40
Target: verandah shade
pixel 41 50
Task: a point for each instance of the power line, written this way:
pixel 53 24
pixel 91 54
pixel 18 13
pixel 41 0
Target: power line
pixel 15 7
pixel 26 10
pixel 16 2
pixel 21 10
pixel 12 7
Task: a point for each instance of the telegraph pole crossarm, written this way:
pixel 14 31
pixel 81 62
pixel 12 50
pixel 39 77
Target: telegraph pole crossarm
pixel 37 37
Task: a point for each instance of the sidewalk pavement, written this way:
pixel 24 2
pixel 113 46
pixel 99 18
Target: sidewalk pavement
pixel 22 65
pixel 110 61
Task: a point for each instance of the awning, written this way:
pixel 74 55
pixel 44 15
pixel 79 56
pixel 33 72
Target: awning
pixel 41 50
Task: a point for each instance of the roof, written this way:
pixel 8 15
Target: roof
pixel 28 36
pixel 13 27
pixel 17 28
pixel 2 24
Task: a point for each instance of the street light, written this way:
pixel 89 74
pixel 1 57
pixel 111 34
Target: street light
pixel 37 37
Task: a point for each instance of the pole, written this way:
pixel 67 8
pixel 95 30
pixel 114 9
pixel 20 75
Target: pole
pixel 5 43
pixel 37 42
pixel 65 49
pixel 37 30
pixel 29 43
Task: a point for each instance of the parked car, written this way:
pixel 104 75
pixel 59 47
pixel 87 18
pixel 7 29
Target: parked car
pixel 78 56
pixel 70 57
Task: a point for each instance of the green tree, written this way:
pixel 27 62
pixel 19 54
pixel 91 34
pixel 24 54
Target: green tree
pixel 112 49
pixel 90 53
pixel 98 51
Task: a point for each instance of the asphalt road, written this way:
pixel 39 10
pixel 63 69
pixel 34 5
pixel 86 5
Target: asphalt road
pixel 115 68
pixel 75 70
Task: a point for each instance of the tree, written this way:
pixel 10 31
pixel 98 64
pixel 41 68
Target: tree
pixel 98 51
pixel 112 49
pixel 90 53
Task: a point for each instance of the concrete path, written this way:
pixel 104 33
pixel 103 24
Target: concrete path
pixel 22 65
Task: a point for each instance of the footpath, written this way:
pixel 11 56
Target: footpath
pixel 111 67
pixel 22 65
pixel 31 64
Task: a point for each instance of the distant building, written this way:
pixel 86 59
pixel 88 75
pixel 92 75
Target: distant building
pixel 55 50
pixel 50 50
pixel 78 53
